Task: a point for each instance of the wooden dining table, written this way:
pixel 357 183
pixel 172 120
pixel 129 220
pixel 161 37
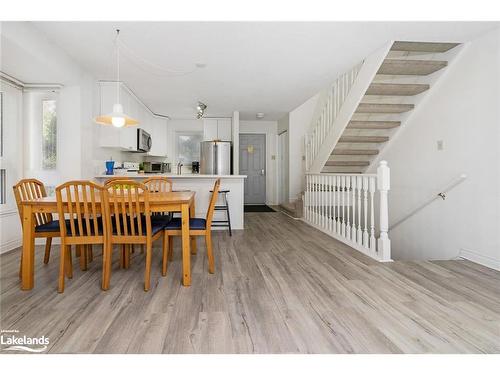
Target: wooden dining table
pixel 181 201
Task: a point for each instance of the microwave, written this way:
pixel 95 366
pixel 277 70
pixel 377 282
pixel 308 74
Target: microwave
pixel 144 141
pixel 156 167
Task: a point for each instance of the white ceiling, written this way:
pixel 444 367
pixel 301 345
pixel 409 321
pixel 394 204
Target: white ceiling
pixel 252 67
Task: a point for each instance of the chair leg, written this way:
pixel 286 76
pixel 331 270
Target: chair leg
pixel 78 251
pixel 142 249
pixel 228 217
pixel 164 259
pixel 21 266
pixel 107 252
pixel 147 273
pixel 90 253
pixel 48 244
pixel 210 255
pixel 69 263
pixel 171 248
pixel 62 271
pixel 127 257
pixel 83 256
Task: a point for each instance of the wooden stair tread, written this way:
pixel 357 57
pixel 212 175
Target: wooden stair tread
pixel 349 151
pixel 347 163
pixel 396 89
pixel 411 67
pixel 437 47
pixel 383 108
pixel 373 124
pixel 363 139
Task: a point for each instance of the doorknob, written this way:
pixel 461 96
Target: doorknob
pixel 262 172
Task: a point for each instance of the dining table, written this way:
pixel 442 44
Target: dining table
pixel 176 201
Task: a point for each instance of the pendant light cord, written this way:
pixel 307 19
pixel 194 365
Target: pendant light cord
pixel 117 66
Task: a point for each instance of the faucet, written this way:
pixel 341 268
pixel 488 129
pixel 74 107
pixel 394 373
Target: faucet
pixel 179 168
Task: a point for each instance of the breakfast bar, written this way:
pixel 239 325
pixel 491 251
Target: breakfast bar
pixel 201 184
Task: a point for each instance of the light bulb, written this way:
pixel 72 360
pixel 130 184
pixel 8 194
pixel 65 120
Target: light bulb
pixel 118 121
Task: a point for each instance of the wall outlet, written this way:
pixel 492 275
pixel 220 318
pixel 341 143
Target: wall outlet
pixel 273 157
pixel 440 145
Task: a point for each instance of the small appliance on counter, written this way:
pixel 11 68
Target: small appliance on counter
pixel 131 166
pixel 156 167
pixel 216 157
pixel 195 167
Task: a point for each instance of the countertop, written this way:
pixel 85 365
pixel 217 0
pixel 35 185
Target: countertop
pixel 170 175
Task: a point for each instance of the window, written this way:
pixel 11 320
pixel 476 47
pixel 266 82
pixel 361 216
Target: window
pixel 49 134
pixel 188 147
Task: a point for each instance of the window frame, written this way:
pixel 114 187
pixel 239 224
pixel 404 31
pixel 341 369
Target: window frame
pixel 176 140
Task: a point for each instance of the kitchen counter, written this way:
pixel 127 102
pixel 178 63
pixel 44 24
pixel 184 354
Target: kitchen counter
pixel 170 175
pixel 201 184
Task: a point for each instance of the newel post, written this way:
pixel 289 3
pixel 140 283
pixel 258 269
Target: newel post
pixel 383 186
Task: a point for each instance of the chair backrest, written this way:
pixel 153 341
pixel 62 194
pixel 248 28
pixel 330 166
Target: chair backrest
pixel 27 190
pixel 127 200
pixel 116 178
pixel 211 205
pixel 158 184
pixel 83 203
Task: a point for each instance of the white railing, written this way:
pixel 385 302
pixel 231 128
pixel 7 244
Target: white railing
pixel 323 122
pixel 344 206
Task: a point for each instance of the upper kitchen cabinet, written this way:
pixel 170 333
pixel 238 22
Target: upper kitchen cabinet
pixel 217 129
pixel 159 137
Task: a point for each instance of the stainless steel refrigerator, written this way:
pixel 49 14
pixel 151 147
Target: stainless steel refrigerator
pixel 216 157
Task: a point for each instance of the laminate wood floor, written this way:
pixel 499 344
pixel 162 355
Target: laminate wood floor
pixel 280 287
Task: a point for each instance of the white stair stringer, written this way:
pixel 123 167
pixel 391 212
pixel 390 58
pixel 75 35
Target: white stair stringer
pixel 356 93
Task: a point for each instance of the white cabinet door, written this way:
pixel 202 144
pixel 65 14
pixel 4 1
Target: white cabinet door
pixel 209 129
pixel 224 132
pixel 109 135
pixel 128 136
pixel 159 137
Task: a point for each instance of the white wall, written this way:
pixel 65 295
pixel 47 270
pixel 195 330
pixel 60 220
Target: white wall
pixel 299 123
pixel 270 129
pixel 463 110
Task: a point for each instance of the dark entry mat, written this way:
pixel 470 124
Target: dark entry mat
pixel 257 208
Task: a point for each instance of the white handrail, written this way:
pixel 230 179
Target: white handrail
pixel 439 194
pixel 329 105
pixel 343 206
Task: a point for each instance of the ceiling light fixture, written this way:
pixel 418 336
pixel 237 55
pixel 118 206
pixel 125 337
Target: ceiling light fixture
pixel 117 118
pixel 260 115
pixel 201 110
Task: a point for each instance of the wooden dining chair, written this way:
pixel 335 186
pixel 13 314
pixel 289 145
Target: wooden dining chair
pixel 158 184
pixel 45 227
pixel 82 222
pixel 130 223
pixel 197 227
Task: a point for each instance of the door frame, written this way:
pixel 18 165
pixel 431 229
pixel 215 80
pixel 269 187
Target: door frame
pixel 283 196
pixel 265 162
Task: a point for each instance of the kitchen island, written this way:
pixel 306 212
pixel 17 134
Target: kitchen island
pixel 201 184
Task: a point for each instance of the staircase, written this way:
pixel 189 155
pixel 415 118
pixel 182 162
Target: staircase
pixel 405 74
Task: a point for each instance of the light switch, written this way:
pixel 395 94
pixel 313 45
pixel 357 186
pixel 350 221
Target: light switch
pixel 273 157
pixel 440 145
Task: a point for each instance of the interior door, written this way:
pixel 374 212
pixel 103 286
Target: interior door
pixel 253 165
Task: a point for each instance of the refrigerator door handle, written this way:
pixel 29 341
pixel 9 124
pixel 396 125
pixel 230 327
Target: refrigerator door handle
pixel 216 160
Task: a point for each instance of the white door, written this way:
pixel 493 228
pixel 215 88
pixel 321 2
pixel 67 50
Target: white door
pixel 253 165
pixel 283 167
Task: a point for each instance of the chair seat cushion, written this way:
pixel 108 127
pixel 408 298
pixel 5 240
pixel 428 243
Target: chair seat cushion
pixel 53 226
pixel 157 224
pixel 196 224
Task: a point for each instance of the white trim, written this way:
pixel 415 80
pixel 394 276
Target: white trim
pixel 10 245
pixel 481 259
pixel 8 212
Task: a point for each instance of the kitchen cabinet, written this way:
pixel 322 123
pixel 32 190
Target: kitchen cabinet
pixel 217 128
pixel 159 137
pixel 125 139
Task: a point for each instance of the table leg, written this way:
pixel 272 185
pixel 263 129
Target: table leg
pixel 186 256
pixel 192 213
pixel 28 269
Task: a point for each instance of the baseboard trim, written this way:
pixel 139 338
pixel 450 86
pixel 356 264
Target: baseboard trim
pixel 481 259
pixel 10 245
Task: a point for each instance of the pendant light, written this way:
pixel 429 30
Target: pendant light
pixel 117 118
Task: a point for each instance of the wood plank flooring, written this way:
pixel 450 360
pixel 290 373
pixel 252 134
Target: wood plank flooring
pixel 280 287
